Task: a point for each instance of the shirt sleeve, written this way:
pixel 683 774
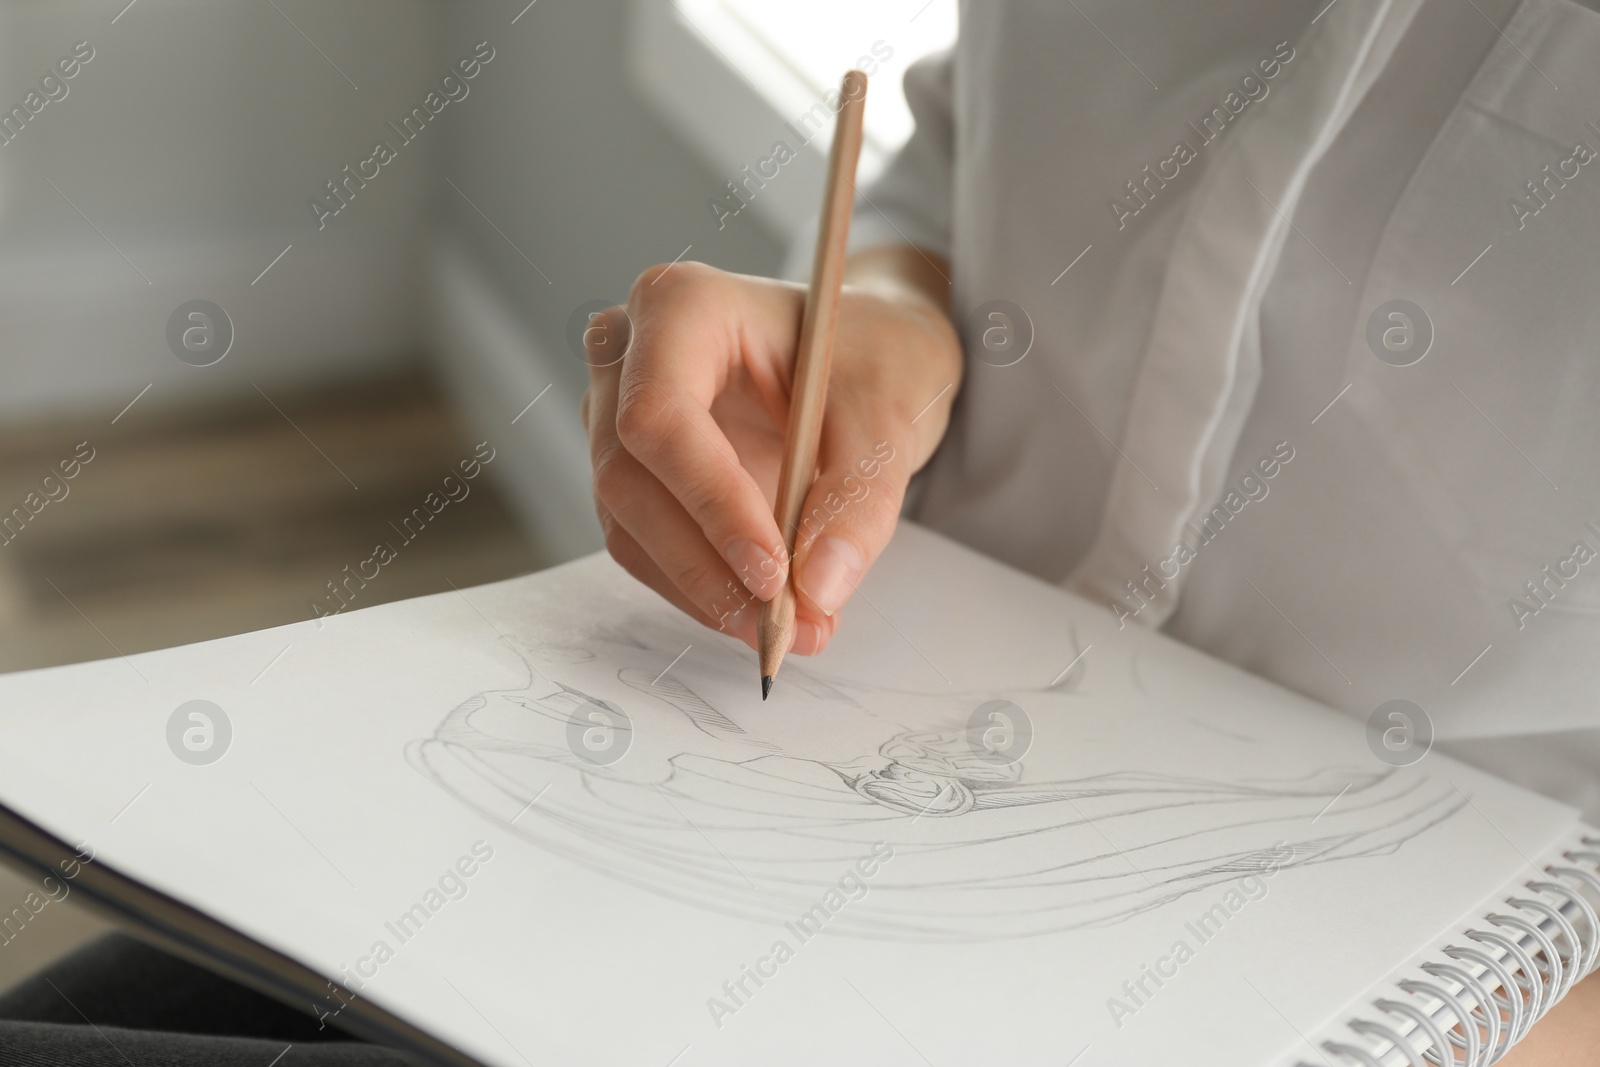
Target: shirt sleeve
pixel 909 203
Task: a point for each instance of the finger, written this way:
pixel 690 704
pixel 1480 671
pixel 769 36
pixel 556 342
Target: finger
pixel 852 509
pixel 608 332
pixel 637 562
pixel 664 531
pixel 686 568
pixel 812 631
pixel 606 336
pixel 682 352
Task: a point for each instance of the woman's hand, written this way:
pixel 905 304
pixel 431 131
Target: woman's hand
pixel 686 432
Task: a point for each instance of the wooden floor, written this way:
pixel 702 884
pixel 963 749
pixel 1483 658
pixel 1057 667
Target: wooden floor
pixel 188 525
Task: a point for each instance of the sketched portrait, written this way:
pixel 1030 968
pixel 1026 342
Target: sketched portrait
pixel 724 802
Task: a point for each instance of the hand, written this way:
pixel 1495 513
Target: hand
pixel 686 432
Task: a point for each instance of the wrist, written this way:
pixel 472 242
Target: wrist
pixel 912 342
pixel 903 274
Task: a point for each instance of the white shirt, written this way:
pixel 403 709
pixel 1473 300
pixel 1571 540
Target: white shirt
pixel 1198 208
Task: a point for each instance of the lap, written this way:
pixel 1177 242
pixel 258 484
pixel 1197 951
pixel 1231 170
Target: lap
pixel 117 998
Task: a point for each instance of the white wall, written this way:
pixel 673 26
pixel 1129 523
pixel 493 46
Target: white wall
pixel 193 140
pixel 566 158
pixel 195 137
pixel 569 164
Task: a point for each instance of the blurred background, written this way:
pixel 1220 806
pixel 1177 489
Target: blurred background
pixel 259 342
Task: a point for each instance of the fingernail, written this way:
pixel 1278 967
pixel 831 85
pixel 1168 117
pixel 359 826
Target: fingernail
pixel 807 638
pixel 831 573
pixel 760 573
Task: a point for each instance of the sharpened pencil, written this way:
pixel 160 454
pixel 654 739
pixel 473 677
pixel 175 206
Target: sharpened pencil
pixel 808 390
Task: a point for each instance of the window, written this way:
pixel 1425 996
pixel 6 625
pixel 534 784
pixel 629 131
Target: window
pixel 730 74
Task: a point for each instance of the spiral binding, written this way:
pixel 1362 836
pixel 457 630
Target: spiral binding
pixel 1471 1007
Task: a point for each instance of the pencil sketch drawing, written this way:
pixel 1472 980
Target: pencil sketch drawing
pixel 723 802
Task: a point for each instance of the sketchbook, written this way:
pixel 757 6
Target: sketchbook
pixel 550 820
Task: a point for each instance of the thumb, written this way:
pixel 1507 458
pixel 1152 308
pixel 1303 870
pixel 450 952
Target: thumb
pixel 850 512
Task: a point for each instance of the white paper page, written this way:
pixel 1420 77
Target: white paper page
pixel 612 910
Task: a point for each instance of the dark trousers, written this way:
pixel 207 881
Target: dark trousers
pixel 120 1003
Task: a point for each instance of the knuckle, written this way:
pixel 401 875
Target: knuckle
pixel 674 275
pixel 708 586
pixel 668 280
pixel 624 549
pixel 617 542
pixel 883 502
pixel 649 279
pixel 629 559
pixel 613 474
pixel 641 414
pixel 710 494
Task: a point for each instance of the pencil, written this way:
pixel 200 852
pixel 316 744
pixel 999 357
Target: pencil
pixel 813 356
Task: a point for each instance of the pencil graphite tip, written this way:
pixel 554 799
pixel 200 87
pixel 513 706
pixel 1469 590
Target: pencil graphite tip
pixel 766 685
